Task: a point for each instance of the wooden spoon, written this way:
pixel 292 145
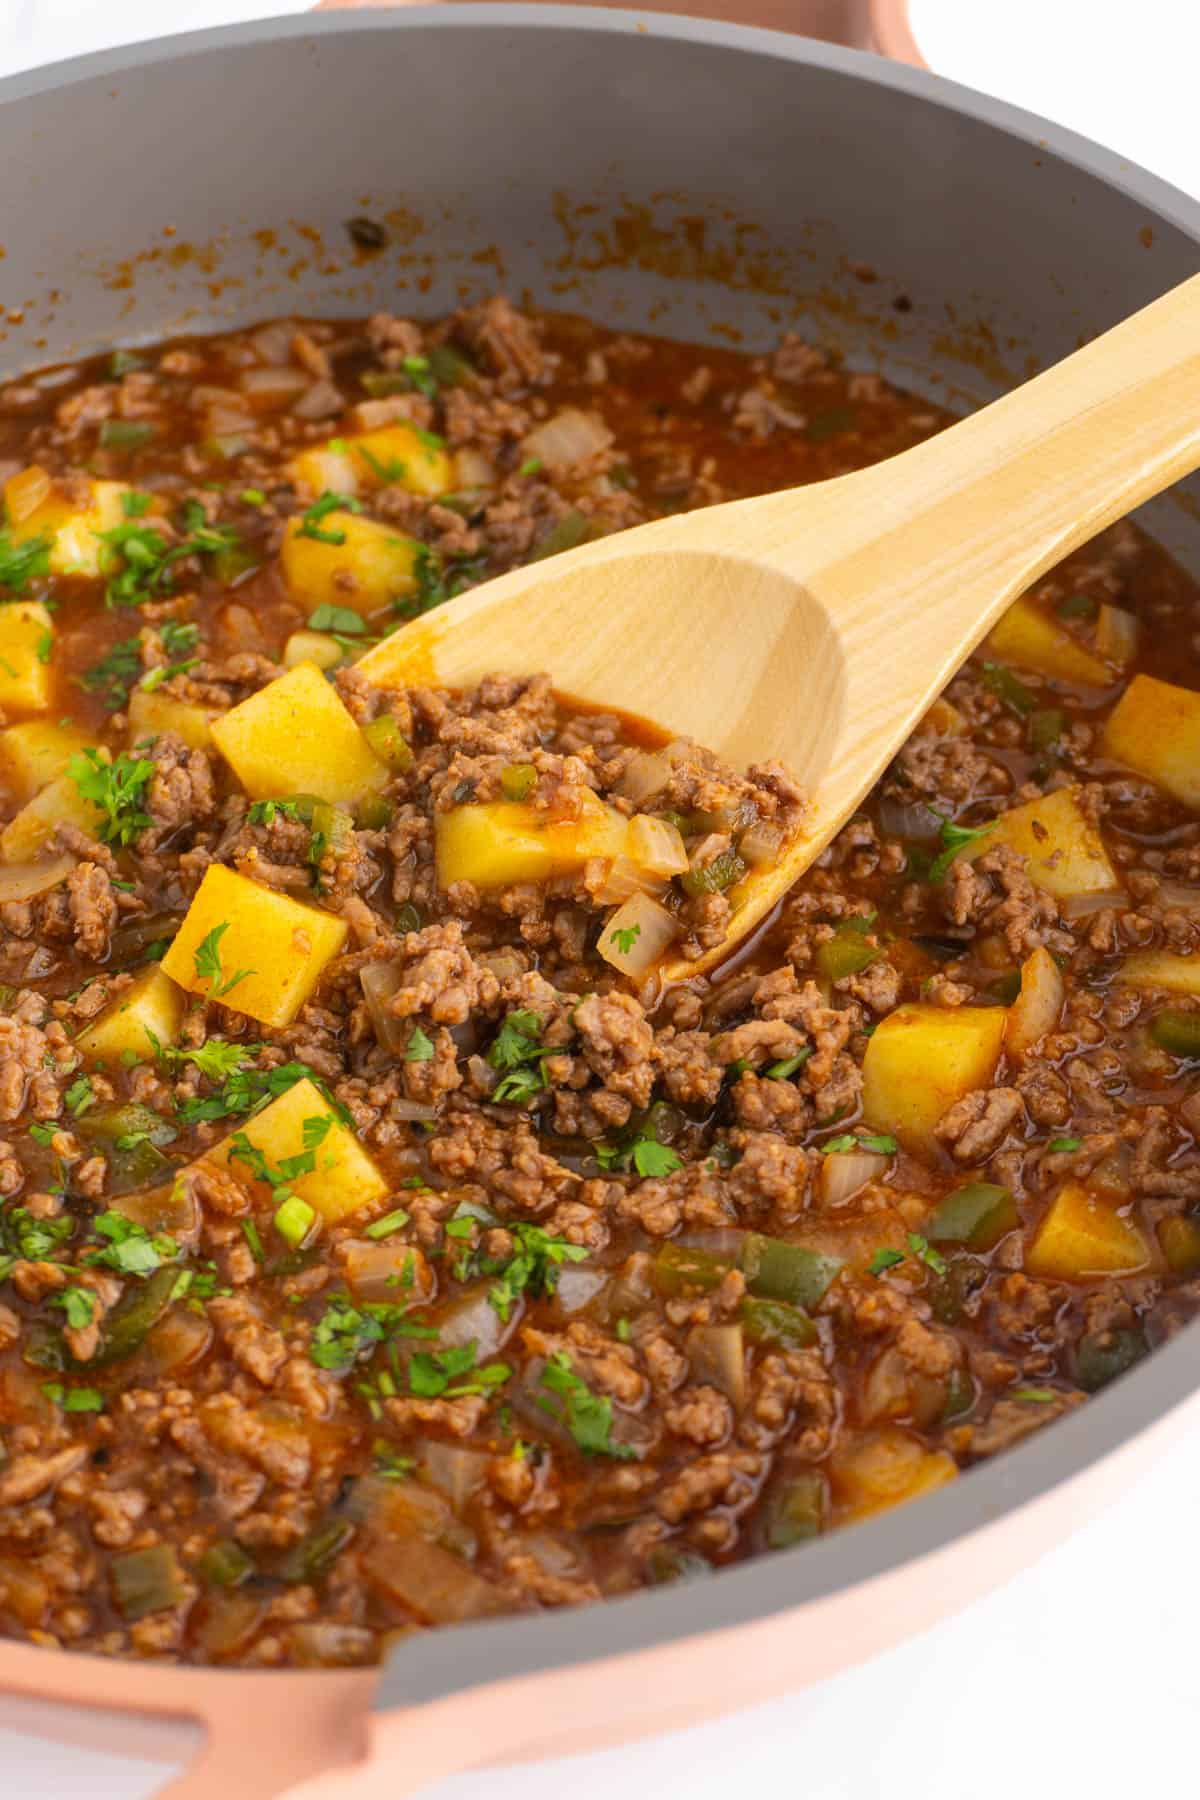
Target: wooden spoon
pixel 817 625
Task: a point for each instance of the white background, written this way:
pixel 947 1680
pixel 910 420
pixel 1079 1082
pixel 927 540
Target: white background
pixel 1083 1674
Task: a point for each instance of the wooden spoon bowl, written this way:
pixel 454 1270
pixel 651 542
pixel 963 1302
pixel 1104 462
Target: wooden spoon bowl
pixel 817 625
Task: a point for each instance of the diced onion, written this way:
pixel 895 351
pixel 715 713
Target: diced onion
pixel 273 384
pixel 568 438
pixel 717 1355
pixel 1117 634
pixel 319 401
pixel 1038 1006
pixel 1082 906
pixel 273 343
pixel 645 775
pixel 457 1471
pixel 505 965
pixel 1174 893
pixel 761 843
pixel 625 878
pixel 475 1320
pixel 381 1271
pixel 412 1110
pixel 472 469
pixel 845 1172
pixel 577 1288
pixel 23 881
pixel 903 819
pixel 635 936
pixel 380 981
pixel 657 845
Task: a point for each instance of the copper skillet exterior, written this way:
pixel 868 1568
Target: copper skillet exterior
pixel 802 159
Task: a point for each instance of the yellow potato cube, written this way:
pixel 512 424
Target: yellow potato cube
pixel 152 1008
pixel 1080 1237
pixel 883 1468
pixel 371 567
pixel 26 643
pixel 1066 854
pixel 1155 729
pixel 74 531
pixel 1030 638
pixel 920 1060
pixel 152 714
pixel 943 720
pixel 501 842
pixel 313 647
pixel 396 455
pixel 343 1178
pixel 33 753
pixel 1162 969
pixel 295 737
pixel 276 945
pixel 58 803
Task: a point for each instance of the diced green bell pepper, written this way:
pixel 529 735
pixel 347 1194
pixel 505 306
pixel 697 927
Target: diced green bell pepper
pixel 777 1270
pixel 977 1215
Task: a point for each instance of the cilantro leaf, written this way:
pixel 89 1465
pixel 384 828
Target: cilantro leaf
pixel 207 958
pixel 129 1248
pixel 336 618
pixel 310 525
pixel 533 1267
pixel 650 1158
pixel 953 839
pixel 20 563
pixel 117 788
pixel 114 674
pixel 79 1304
pixel 419 1047
pixel 587 1416
pixel 73 1400
pixel 884 1259
pixel 437 1374
pixel 625 937
pixel 924 1252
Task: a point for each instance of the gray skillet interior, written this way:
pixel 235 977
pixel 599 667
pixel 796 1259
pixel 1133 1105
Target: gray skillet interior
pixel 691 178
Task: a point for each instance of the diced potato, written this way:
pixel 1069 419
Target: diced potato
pixel 312 647
pixel 372 567
pixel 501 842
pixel 151 714
pixel 398 455
pixel 74 530
pixel 33 753
pixel 920 1060
pixel 1038 1006
pixel 344 1178
pixel 1162 969
pixel 1080 1236
pixel 1030 638
pixel 58 803
pixel 151 1009
pixel 1155 729
pixel 1066 854
pixel 883 1468
pixel 25 629
pixel 281 943
pixel 295 737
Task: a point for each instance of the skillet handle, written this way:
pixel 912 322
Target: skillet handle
pixel 850 22
pixel 266 1736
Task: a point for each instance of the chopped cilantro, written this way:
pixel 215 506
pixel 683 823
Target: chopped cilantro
pixel 129 1248
pixel 43 1134
pixel 44 648
pixel 310 524
pixel 250 1233
pixel 650 1158
pixel 20 563
pixel 79 1304
pixel 1062 1145
pixel 924 1252
pixel 264 812
pixel 439 1374
pixel 953 839
pixel 530 466
pixel 73 1400
pixel 80 1095
pixel 117 788
pixel 253 497
pixel 437 581
pixel 625 937
pixel 207 958
pixel 344 1333
pixel 1040 1395
pixel 517 1050
pixel 114 673
pixel 336 618
pixel 587 1416
pixel 533 1267
pixel 419 1047
pixel 884 1259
